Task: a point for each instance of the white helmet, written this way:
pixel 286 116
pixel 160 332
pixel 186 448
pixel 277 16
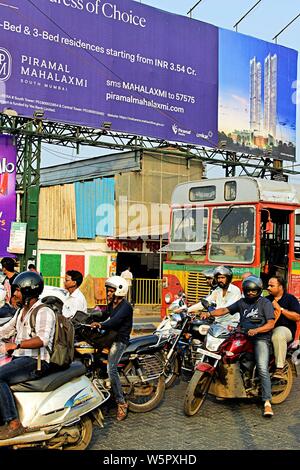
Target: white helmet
pixel 118 283
pixel 2 296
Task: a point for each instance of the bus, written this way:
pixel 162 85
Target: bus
pixel 251 225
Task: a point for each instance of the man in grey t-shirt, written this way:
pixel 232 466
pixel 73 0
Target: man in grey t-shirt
pixel 257 318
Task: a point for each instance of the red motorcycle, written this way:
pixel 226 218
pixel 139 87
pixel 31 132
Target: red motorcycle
pixel 227 369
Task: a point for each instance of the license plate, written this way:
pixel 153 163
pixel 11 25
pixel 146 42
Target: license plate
pixel 208 353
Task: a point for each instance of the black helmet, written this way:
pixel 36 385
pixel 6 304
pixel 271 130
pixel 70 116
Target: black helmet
pixel 223 271
pixel 30 284
pixel 252 283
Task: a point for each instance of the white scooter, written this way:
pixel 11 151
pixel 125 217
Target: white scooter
pixel 58 410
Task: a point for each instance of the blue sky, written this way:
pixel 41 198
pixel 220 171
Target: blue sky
pixel 264 22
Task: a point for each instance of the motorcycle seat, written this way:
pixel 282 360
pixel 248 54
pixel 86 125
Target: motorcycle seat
pixel 140 342
pixel 52 381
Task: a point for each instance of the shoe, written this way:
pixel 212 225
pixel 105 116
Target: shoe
pixel 279 373
pixel 122 411
pixel 268 412
pixel 9 433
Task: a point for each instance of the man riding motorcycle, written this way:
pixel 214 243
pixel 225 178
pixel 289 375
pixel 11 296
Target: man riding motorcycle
pixel 27 287
pixel 120 313
pixel 225 294
pixel 257 318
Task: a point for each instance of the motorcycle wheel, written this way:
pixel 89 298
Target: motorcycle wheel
pixel 86 431
pixel 281 387
pixel 143 396
pixel 196 392
pixel 172 372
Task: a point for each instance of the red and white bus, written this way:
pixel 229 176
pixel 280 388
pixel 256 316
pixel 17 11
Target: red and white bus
pixel 246 223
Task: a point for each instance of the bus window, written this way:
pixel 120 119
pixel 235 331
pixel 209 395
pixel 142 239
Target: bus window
pixel 230 191
pixel 297 235
pixel 232 234
pixel 205 193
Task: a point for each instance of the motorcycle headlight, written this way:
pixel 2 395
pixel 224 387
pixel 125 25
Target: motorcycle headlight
pixel 167 298
pixel 173 323
pixel 203 329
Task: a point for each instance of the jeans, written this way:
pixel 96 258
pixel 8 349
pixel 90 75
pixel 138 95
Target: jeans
pixel 262 355
pixel 114 357
pixel 20 369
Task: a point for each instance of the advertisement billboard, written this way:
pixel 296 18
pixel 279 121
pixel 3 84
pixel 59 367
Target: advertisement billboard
pixel 123 65
pixel 7 191
pixel 143 70
pixel 256 87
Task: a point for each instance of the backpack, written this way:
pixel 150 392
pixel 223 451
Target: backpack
pixel 62 353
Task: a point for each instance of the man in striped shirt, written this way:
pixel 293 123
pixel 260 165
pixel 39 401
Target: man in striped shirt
pixel 24 345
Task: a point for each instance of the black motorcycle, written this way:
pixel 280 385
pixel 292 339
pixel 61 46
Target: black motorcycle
pixel 141 367
pixel 184 333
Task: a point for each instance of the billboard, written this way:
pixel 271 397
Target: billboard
pixel 256 108
pixel 143 70
pixel 7 191
pixel 147 72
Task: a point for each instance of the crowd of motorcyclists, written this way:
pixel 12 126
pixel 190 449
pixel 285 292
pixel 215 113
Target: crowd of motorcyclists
pixel 269 321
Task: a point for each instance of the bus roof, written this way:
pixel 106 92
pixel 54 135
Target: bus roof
pixel 238 189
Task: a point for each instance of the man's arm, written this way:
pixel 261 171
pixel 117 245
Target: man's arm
pixel 33 343
pixel 216 313
pixel 262 329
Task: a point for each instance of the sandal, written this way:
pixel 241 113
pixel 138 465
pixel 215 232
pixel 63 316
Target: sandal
pixel 122 411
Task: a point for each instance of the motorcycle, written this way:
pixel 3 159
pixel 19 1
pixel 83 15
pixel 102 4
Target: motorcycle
pixel 140 368
pixel 59 410
pixel 226 369
pixel 184 333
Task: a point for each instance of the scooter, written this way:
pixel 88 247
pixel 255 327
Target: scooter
pixel 58 410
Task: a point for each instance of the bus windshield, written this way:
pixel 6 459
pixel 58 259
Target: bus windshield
pixel 189 225
pixel 232 234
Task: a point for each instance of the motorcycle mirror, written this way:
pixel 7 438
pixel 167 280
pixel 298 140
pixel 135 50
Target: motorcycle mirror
pixel 204 302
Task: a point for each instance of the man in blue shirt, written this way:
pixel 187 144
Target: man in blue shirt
pixel 287 313
pixel 257 318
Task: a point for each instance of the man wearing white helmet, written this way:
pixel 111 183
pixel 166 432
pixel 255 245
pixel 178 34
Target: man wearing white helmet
pixel 225 294
pixel 120 313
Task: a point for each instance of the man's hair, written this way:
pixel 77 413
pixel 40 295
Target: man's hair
pixel 8 263
pixel 75 276
pixel 31 266
pixel 281 281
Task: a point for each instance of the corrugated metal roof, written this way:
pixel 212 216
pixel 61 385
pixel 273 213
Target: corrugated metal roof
pixel 95 207
pixel 87 169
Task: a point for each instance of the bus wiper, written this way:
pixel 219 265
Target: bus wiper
pixel 224 217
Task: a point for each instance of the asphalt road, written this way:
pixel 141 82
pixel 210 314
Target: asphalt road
pixel 222 425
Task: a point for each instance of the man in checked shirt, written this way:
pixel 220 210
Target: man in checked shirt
pixel 24 347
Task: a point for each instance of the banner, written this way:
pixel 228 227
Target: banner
pixel 257 101
pixel 7 191
pixel 128 67
pixel 17 237
pixel 120 64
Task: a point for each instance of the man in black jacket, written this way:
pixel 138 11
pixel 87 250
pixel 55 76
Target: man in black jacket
pixel 120 313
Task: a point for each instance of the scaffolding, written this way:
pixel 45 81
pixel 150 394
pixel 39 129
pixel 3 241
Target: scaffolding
pixel 31 133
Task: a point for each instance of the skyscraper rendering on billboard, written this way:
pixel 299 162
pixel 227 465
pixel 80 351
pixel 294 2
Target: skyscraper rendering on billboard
pixel 256 111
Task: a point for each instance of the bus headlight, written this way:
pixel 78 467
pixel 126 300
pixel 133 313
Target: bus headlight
pixel 168 298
